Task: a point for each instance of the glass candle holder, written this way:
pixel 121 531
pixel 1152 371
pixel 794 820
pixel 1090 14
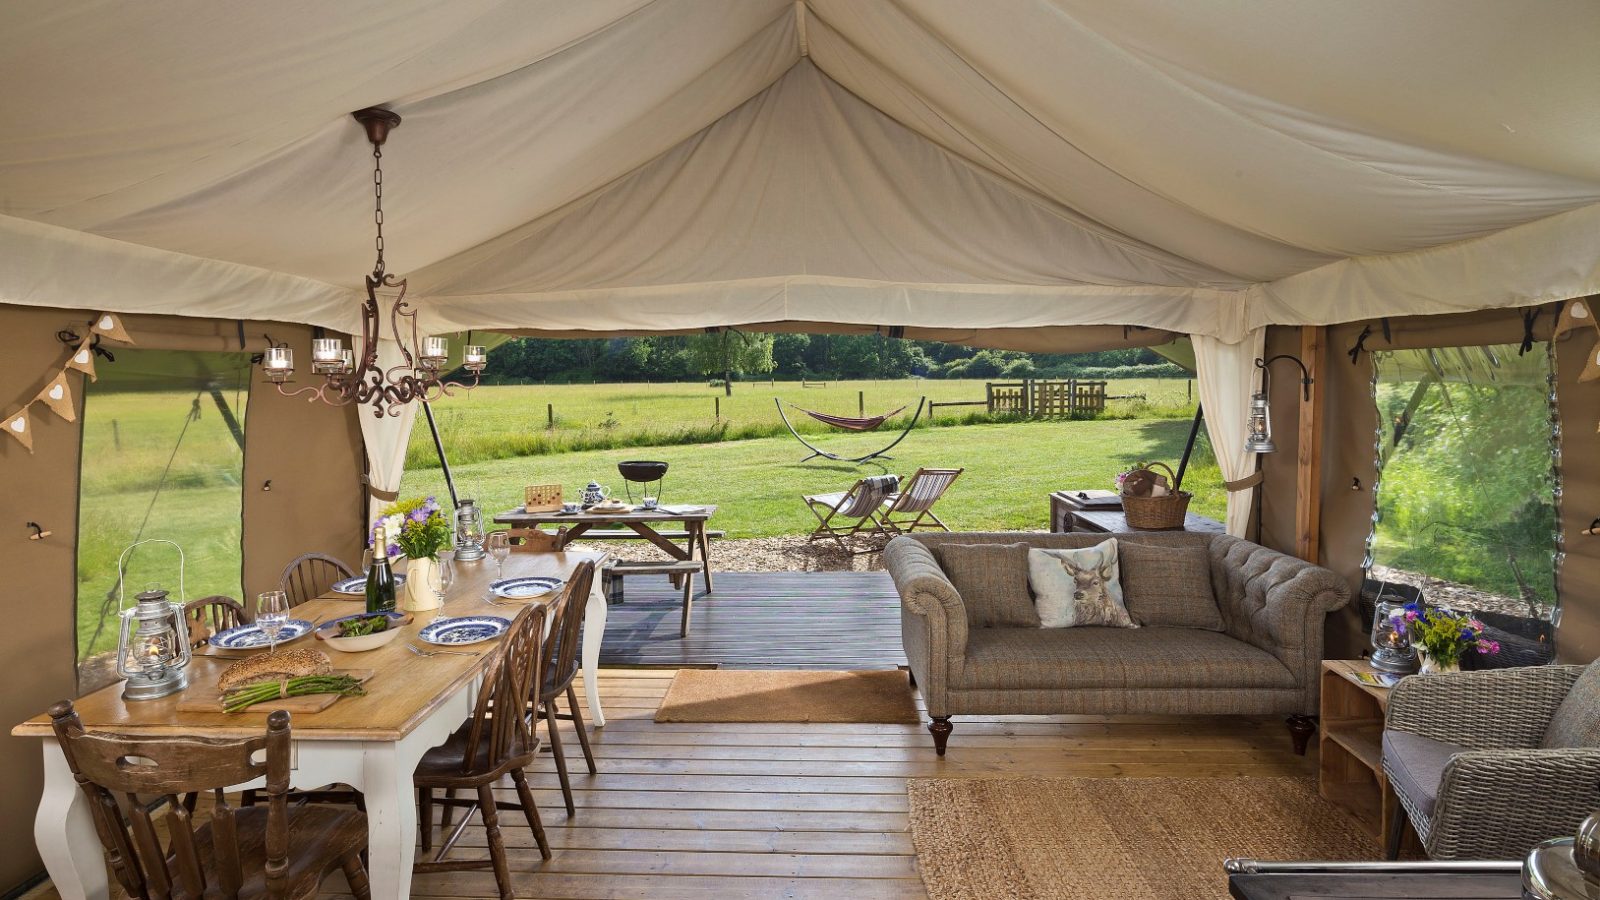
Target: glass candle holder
pixel 435 350
pixel 278 362
pixel 347 362
pixel 475 358
pixel 326 355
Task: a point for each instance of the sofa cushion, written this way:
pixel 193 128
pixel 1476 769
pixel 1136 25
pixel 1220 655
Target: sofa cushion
pixel 1416 766
pixel 1078 587
pixel 1144 658
pixel 992 580
pixel 1168 585
pixel 1576 722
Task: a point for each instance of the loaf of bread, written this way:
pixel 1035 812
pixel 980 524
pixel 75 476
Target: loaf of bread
pixel 273 666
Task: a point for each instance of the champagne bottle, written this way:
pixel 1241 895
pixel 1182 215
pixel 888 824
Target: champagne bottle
pixel 380 578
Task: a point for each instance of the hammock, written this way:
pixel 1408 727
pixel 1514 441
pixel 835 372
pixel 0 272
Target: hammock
pixel 870 423
pixel 849 424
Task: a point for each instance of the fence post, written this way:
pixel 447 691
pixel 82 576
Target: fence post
pixel 717 409
pixel 550 415
pixel 988 396
pixel 861 404
pixel 1188 384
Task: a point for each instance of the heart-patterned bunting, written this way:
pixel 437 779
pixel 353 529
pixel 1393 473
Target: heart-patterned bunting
pixel 19 427
pixel 110 326
pixel 58 396
pixel 83 358
pixel 1574 314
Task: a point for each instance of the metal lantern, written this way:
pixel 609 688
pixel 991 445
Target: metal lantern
pixel 469 530
pixel 153 647
pixel 1391 645
pixel 1260 422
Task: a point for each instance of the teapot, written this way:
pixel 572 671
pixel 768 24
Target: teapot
pixel 594 493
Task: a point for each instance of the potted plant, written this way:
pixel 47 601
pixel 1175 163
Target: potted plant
pixel 1442 636
pixel 418 529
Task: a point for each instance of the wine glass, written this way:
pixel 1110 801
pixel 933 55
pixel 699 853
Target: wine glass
pixel 272 611
pixel 447 573
pixel 500 548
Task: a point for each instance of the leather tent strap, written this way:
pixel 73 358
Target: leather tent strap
pixel 1245 483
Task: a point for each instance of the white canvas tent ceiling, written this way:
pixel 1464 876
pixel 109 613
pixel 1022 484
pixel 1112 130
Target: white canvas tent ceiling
pixel 668 164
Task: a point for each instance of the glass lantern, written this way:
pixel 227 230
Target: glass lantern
pixel 1260 438
pixel 435 351
pixel 475 358
pixel 327 355
pixel 278 363
pixel 469 530
pixel 153 647
pixel 1391 645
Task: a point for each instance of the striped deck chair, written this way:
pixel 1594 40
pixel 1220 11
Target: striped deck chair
pixel 912 508
pixel 858 507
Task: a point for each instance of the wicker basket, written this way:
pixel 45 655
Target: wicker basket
pixel 1157 513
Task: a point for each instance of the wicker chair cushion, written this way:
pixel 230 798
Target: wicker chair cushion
pixel 1415 765
pixel 1078 587
pixel 1144 658
pixel 992 580
pixel 1169 586
pixel 1576 722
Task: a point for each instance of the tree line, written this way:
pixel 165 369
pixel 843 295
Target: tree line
pixel 731 354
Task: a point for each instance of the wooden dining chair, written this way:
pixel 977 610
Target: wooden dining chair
pixel 912 507
pixel 209 615
pixel 561 649
pixel 497 742
pixel 537 540
pixel 310 576
pixel 264 851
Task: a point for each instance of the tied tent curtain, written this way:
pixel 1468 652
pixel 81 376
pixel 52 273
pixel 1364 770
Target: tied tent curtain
pixel 386 438
pixel 1227 375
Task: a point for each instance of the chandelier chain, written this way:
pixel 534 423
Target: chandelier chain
pixel 377 208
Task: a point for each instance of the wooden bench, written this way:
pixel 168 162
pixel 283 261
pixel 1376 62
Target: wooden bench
pixel 611 580
pixel 628 534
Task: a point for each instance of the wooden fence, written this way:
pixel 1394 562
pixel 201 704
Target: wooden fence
pixel 1041 398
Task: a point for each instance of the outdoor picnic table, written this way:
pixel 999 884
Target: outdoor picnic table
pixel 643 523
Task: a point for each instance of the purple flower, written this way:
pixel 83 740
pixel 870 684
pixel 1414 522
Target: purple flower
pixel 420 514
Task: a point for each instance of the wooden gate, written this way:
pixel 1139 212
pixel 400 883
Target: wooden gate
pixel 1045 398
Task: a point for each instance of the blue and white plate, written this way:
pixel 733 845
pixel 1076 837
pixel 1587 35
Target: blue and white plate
pixel 357 584
pixel 251 637
pixel 463 630
pixel 524 588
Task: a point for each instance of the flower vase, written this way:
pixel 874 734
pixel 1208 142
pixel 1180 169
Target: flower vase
pixel 422 585
pixel 1431 666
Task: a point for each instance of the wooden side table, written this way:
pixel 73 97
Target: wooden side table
pixel 1351 746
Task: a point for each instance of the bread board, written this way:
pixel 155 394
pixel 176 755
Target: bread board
pixel 203 697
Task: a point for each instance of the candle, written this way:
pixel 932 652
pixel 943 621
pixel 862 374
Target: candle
pixel 476 357
pixel 278 362
pixel 326 354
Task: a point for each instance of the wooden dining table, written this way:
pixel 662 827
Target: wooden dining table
pixel 371 742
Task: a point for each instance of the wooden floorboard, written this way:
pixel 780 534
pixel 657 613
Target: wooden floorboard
pixel 798 620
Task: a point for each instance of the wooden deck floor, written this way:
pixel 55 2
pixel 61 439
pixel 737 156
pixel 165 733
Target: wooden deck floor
pixel 722 811
pixel 790 620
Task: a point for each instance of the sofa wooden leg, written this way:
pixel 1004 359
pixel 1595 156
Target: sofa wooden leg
pixel 940 728
pixel 912 678
pixel 1301 728
pixel 1397 831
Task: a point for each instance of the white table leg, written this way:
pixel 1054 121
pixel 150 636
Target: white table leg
pixel 391 818
pixel 64 831
pixel 594 631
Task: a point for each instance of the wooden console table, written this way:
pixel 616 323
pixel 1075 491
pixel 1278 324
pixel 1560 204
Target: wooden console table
pixel 1066 515
pixel 1351 774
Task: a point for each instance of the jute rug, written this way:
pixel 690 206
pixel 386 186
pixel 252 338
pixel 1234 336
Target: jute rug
pixel 734 695
pixel 1100 838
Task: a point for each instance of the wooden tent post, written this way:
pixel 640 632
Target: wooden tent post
pixel 1308 467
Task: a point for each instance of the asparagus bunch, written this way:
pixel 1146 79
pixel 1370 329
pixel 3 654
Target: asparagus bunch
pixel 241 698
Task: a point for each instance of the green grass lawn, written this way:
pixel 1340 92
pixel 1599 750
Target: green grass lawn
pixel 1010 471
pixel 508 421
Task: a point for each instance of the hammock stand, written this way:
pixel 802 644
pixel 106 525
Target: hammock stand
pixel 849 424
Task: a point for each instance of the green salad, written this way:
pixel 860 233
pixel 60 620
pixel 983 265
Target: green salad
pixel 363 626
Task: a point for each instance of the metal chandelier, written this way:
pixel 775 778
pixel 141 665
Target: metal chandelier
pixel 347 379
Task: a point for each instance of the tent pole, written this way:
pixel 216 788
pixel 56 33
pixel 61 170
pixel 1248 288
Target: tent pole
pixel 227 414
pixel 1188 449
pixel 438 445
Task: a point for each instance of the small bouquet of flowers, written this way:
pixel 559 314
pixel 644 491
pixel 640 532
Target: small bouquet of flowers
pixel 417 528
pixel 1442 636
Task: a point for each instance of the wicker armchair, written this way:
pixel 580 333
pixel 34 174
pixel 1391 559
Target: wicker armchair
pixel 1494 792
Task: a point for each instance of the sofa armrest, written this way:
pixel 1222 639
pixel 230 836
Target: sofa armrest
pixel 1496 804
pixel 1278 603
pixel 1493 709
pixel 933 620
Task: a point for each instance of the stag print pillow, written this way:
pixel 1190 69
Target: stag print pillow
pixel 1078 587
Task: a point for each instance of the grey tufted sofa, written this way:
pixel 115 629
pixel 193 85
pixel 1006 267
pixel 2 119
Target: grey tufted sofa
pixel 1265 660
